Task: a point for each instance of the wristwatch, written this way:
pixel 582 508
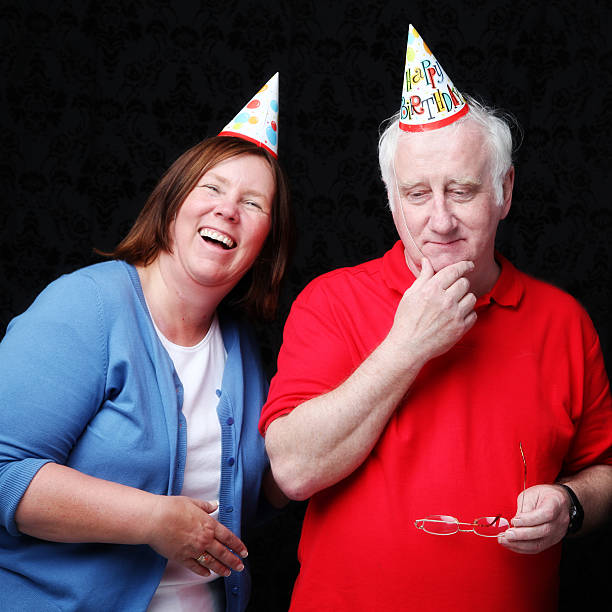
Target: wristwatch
pixel 576 511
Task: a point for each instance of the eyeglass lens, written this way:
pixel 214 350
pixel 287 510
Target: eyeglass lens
pixel 486 526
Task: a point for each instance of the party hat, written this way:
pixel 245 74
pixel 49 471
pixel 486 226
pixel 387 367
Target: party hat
pixel 429 98
pixel 258 120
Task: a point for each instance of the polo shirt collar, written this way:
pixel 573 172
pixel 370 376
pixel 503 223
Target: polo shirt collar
pixel 507 291
pixel 396 273
pixel 509 288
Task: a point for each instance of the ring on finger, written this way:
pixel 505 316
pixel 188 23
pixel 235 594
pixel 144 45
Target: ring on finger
pixel 203 559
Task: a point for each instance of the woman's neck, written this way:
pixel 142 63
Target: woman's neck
pixel 182 314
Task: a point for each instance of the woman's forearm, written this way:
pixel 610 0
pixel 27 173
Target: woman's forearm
pixel 64 505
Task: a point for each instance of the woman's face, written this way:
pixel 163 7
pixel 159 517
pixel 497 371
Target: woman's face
pixel 223 223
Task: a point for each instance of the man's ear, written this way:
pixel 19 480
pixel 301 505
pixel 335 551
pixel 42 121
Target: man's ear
pixel 507 187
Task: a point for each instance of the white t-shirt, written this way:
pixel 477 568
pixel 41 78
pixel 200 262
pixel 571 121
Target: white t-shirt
pixel 200 369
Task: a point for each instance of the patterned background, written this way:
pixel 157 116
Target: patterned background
pixel 98 99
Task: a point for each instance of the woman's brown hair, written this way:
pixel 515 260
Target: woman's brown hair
pixel 257 292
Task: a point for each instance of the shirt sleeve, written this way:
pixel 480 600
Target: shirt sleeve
pixel 53 360
pixel 592 442
pixel 315 356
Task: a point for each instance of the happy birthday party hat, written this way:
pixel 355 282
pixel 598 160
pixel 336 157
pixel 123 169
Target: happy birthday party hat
pixel 258 120
pixel 429 98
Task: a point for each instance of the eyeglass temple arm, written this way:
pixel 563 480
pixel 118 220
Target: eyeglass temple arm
pixel 524 475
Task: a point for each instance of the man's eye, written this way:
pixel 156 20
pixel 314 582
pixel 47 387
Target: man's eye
pixel 461 194
pixel 416 196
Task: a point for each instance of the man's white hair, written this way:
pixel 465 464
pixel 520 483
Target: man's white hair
pixel 495 126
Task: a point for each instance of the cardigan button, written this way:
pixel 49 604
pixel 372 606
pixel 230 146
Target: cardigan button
pixel 218 392
pixel 230 461
pixel 230 421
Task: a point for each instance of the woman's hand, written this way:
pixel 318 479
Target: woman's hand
pixel 182 530
pixel 179 528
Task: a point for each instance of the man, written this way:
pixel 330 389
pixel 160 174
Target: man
pixel 438 391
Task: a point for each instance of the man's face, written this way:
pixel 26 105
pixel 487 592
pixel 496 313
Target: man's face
pixel 447 210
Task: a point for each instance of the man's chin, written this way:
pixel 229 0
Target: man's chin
pixel 439 262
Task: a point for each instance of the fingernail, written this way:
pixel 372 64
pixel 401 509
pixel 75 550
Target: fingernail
pixel 240 567
pixel 244 554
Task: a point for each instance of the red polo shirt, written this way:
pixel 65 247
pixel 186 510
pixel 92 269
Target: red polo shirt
pixel 529 371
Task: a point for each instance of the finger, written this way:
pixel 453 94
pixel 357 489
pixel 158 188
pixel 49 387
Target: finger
pixel 224 556
pixel 539 516
pixel 217 566
pixel 450 274
pixel 525 534
pixel 524 547
pixel 470 321
pixel 208 506
pixel 467 303
pixel 230 540
pixel 196 568
pixel 459 289
pixel 426 272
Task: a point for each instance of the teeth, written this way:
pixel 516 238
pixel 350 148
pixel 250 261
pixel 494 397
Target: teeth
pixel 226 240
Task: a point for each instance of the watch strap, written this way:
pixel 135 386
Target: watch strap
pixel 576 511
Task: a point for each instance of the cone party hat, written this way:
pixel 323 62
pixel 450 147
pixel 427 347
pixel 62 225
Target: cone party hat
pixel 429 98
pixel 258 120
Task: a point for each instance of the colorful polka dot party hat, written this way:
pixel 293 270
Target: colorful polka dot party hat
pixel 258 120
pixel 429 98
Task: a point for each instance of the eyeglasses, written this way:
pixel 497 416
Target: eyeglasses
pixel 485 526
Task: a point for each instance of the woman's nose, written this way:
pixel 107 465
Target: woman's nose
pixel 228 209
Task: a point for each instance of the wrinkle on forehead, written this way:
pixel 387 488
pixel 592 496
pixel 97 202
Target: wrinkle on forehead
pixel 467 181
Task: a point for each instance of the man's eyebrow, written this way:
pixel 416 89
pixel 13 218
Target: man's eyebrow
pixel 466 180
pixel 411 185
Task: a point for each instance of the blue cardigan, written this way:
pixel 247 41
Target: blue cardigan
pixel 85 382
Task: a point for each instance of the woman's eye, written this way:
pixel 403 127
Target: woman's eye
pixel 250 203
pixel 211 188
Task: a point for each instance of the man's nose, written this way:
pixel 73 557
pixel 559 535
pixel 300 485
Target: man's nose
pixel 442 219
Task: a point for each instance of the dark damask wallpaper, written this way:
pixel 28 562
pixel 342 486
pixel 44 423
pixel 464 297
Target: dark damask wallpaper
pixel 98 98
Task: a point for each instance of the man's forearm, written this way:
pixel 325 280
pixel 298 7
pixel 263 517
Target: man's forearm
pixel 593 487
pixel 326 438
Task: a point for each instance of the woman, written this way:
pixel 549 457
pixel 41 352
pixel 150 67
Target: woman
pixel 126 384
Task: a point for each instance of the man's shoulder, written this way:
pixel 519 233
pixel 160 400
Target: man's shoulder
pixel 546 292
pixel 340 279
pixel 546 301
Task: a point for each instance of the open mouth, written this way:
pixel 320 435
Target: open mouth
pixel 217 238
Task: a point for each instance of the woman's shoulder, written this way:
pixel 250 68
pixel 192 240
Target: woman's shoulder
pixel 105 281
pixel 85 295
